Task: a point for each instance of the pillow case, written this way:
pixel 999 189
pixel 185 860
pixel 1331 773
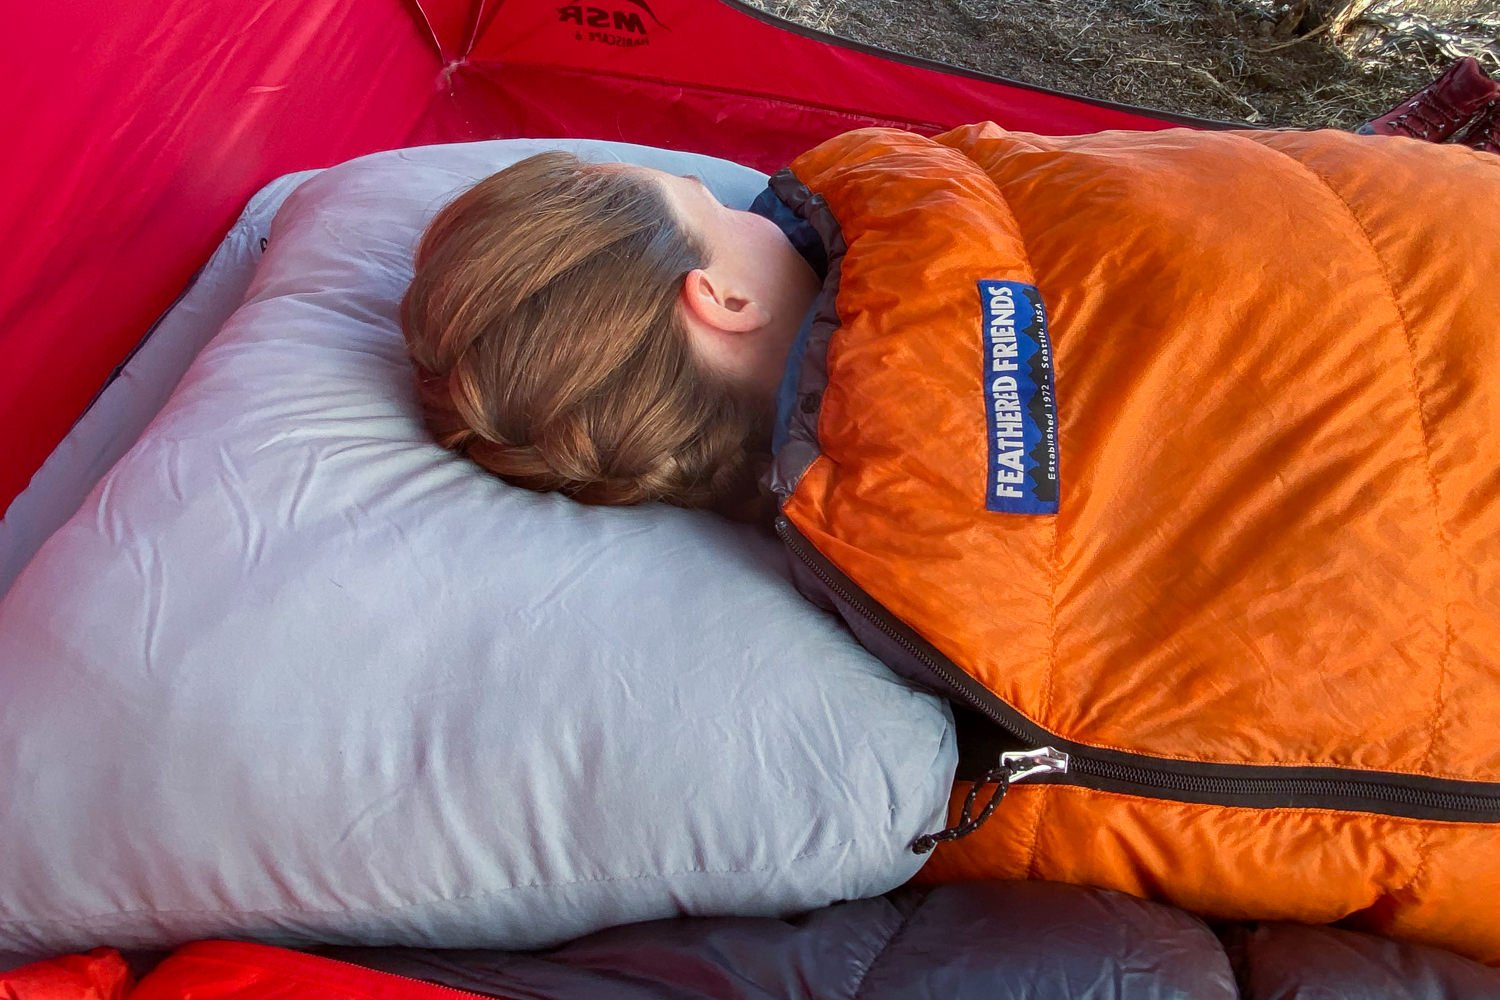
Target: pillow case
pixel 295 673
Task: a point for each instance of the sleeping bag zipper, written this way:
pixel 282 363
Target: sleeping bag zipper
pixel 1051 758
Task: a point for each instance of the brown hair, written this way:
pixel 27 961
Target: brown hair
pixel 542 320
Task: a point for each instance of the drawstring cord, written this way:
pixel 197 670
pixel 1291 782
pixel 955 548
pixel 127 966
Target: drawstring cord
pixel 966 824
pixel 1015 765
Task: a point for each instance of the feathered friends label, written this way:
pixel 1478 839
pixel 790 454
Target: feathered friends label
pixel 1020 405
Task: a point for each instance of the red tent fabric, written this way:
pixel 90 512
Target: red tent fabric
pixel 137 131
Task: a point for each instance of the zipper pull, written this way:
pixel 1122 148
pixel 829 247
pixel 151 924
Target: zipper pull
pixel 1025 764
pixel 1016 765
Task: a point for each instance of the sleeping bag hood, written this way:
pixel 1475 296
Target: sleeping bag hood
pixel 1172 458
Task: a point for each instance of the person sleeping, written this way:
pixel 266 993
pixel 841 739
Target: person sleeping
pixel 605 330
pixel 1169 457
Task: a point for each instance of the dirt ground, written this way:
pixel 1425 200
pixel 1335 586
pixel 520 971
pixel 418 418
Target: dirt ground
pixel 1283 63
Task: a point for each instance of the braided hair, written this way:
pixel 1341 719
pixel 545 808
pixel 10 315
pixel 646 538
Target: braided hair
pixel 542 321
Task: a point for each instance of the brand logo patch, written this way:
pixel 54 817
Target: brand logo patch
pixel 1020 405
pixel 611 25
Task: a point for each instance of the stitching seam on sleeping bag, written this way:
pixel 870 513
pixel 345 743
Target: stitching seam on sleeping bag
pixel 906 921
pixel 1054 570
pixel 437 900
pixel 1052 563
pixel 1424 848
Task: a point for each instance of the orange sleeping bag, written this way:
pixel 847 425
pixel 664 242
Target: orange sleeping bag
pixel 1175 459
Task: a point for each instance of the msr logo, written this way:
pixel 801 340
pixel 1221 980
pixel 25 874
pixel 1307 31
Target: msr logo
pixel 611 25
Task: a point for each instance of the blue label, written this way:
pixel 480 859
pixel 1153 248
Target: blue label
pixel 1020 407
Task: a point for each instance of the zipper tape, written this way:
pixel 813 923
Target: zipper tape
pixel 1256 786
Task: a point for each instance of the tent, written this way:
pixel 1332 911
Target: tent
pixel 138 132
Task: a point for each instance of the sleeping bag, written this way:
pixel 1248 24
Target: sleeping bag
pixel 1175 459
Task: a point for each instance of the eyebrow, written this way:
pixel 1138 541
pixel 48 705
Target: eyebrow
pixel 694 177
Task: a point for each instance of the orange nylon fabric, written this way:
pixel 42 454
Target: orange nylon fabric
pixel 1277 368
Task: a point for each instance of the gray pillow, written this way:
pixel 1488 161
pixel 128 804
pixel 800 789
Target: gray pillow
pixel 295 673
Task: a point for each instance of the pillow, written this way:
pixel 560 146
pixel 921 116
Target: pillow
pixel 295 673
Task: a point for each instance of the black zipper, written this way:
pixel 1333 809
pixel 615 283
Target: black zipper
pixel 1248 785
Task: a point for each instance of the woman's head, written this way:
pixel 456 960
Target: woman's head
pixel 604 331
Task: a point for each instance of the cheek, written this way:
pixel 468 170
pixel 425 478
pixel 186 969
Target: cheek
pixel 757 231
pixel 775 251
pixel 752 231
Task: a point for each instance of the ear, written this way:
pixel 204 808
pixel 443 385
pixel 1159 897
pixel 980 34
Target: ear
pixel 714 304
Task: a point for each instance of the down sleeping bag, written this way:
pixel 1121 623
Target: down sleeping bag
pixel 1176 458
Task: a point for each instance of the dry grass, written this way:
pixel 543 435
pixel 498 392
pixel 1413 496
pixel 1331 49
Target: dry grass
pixel 1289 63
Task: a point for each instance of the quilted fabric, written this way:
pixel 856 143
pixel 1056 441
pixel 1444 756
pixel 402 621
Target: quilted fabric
pixel 978 941
pixel 1277 539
